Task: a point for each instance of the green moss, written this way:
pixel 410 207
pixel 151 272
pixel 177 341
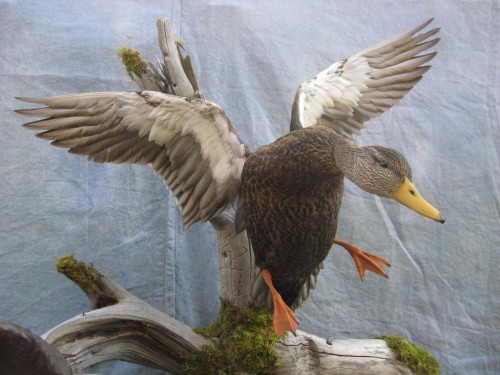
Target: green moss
pixel 242 339
pixel 417 359
pixel 181 42
pixel 210 361
pixel 132 60
pixel 84 275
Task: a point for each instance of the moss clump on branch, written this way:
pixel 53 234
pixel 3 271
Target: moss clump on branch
pixel 83 275
pixel 417 359
pixel 132 60
pixel 181 42
pixel 242 339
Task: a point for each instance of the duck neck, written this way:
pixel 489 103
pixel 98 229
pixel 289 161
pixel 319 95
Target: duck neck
pixel 346 155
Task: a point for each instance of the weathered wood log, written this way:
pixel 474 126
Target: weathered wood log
pixel 236 262
pixel 180 83
pixel 123 328
pixel 127 328
pixel 309 354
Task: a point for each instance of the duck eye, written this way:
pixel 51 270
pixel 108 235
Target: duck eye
pixel 383 163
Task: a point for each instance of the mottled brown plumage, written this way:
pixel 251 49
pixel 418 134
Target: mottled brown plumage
pixel 292 206
pixel 292 191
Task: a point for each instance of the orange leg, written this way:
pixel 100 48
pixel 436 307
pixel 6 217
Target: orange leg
pixel 364 261
pixel 284 319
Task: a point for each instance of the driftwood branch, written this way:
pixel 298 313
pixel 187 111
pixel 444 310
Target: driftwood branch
pixel 173 61
pixel 131 330
pixel 309 354
pixel 123 327
pixel 236 262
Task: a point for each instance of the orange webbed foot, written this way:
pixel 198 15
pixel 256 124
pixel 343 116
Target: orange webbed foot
pixel 283 317
pixel 364 261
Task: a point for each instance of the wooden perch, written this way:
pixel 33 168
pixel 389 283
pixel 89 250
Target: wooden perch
pixel 131 330
pixel 123 327
pixel 236 262
pixel 173 61
pixel 126 328
pixel 309 354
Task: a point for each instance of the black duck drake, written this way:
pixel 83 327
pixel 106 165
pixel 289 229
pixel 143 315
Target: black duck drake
pixel 292 189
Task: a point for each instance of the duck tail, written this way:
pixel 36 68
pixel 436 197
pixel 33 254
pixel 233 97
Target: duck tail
pixel 294 294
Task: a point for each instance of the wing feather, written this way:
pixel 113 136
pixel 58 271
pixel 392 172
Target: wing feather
pixel 359 88
pixel 193 179
pixel 189 143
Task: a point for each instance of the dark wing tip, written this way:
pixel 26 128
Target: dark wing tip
pixel 27 112
pixel 423 69
pixel 431 43
pixel 38 124
pixel 31 100
pixel 33 125
pixel 418 28
pixel 425 24
pixel 31 111
pixel 42 135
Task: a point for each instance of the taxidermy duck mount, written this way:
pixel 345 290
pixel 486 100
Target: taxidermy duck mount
pixel 288 193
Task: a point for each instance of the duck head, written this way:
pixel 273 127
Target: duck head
pixel 385 172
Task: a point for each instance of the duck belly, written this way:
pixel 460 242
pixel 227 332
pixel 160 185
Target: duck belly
pixel 290 235
pixel 292 191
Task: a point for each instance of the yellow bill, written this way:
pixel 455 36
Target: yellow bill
pixel 409 196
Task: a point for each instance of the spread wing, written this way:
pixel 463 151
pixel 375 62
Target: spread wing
pixel 188 142
pixel 363 86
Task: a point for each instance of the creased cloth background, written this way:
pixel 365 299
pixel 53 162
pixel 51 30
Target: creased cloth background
pixel 250 57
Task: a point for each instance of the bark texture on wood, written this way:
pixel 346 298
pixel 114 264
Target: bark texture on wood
pixel 177 76
pixel 309 354
pixel 132 330
pixel 126 329
pixel 236 262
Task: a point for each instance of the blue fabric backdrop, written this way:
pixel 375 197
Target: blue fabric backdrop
pixel 443 291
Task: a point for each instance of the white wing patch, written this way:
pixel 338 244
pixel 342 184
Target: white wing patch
pixel 354 90
pixel 175 117
pixel 334 92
